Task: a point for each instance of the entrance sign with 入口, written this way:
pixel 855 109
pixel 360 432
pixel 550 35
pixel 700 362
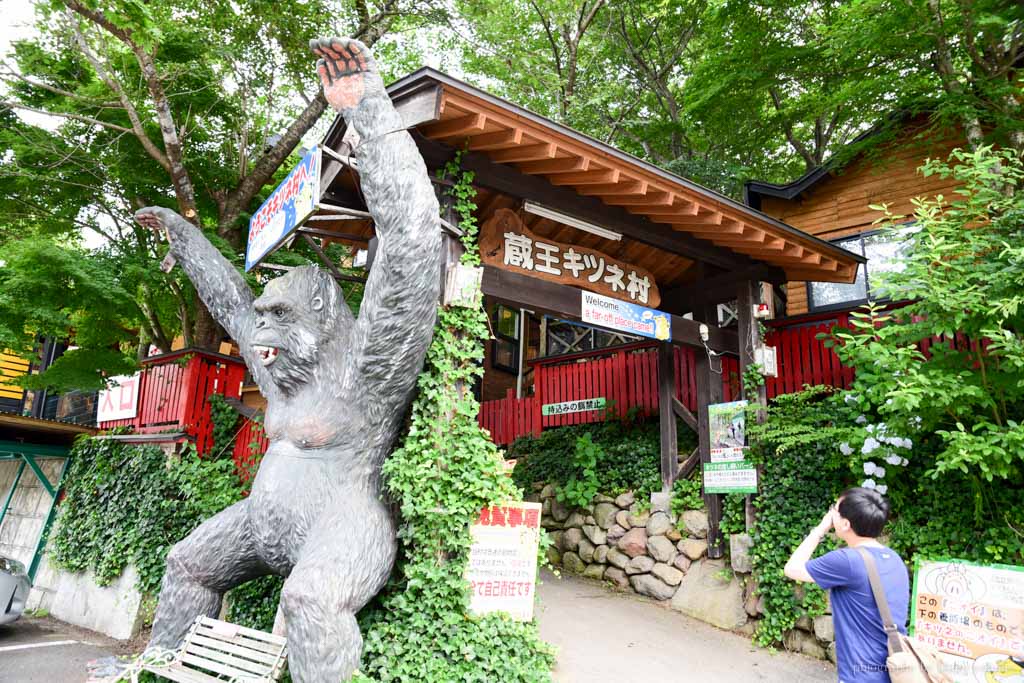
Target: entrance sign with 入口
pixel 974 615
pixel 727 423
pixel 730 477
pixel 580 406
pixel 625 317
pixel 120 401
pixel 508 244
pixel 502 568
pixel 287 208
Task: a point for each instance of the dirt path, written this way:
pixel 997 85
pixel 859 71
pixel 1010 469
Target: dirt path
pixel 619 637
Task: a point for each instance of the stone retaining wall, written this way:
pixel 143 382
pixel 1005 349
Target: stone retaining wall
pixel 663 557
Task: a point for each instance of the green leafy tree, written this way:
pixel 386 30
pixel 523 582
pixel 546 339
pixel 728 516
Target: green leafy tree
pixel 963 271
pixel 194 105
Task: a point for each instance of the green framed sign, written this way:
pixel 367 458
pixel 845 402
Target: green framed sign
pixel 739 476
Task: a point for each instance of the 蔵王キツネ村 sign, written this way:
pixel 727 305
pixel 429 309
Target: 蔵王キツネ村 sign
pixel 287 207
pixel 730 477
pixel 727 423
pixel 120 401
pixel 974 615
pixel 580 406
pixel 507 244
pixel 502 567
pixel 625 317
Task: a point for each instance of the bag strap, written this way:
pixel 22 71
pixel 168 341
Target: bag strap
pixel 891 632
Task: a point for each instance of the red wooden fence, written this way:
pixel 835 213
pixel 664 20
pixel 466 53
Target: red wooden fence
pixel 250 444
pixel 173 392
pixel 627 376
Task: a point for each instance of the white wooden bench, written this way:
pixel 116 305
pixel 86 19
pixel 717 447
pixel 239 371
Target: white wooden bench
pixel 216 651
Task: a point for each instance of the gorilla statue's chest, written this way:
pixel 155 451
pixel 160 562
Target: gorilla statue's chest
pixel 316 426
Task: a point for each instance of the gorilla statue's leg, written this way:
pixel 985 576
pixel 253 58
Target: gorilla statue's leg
pixel 217 556
pixel 335 576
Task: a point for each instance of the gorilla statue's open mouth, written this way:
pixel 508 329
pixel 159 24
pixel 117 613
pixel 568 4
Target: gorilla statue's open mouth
pixel 267 354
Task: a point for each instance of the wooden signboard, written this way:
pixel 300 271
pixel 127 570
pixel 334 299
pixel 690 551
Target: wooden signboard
pixel 506 243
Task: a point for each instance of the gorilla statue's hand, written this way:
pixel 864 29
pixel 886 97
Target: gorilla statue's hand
pixel 347 70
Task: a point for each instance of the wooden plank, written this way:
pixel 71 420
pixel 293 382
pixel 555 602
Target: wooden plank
pixel 639 201
pixel 684 413
pixel 220 656
pixel 689 464
pixel 250 633
pixel 666 416
pixel 210 665
pixel 176 672
pixel 470 124
pixel 622 187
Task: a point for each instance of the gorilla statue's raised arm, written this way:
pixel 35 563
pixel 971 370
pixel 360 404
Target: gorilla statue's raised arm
pixel 336 388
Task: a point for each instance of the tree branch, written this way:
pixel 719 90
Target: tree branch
pixel 63 115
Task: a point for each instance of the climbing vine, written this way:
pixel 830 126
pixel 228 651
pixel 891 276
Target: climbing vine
pixel 128 505
pixel 445 472
pixel 803 473
pixel 224 419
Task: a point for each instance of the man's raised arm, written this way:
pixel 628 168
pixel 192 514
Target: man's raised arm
pixel 220 286
pixel 397 314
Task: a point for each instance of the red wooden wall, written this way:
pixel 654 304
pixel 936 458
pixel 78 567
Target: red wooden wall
pixel 173 392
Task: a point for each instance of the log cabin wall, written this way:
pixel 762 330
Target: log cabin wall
pixel 838 205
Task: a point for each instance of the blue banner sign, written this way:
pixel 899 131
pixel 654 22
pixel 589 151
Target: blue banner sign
pixel 626 317
pixel 287 207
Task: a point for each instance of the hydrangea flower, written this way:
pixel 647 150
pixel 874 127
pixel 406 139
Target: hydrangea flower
pixel 869 445
pixel 882 488
pixel 893 459
pixel 869 468
pixel 870 429
pixel 879 472
pixel 907 443
pixel 904 463
pixel 868 483
pixel 845 448
pixel 861 419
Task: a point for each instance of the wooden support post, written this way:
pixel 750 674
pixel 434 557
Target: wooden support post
pixel 667 416
pixel 748 293
pixel 709 391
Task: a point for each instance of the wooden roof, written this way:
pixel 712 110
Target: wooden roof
pixel 454 114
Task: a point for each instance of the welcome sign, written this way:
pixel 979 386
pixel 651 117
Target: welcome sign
pixel 625 317
pixel 287 207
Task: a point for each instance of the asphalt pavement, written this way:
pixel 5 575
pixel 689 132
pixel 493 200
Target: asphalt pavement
pixel 47 651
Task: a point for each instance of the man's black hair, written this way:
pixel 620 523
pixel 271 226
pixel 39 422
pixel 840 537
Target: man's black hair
pixel 865 509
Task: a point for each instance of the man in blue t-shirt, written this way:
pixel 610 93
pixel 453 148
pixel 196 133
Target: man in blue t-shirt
pixel 858 519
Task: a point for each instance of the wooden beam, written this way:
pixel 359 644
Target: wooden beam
pixel 637 187
pixel 334 235
pixel 595 177
pixel 567 302
pixel 637 202
pixel 688 464
pixel 698 220
pixel 709 392
pixel 666 416
pixel 556 165
pixel 684 413
pixel 512 182
pixel 681 207
pixel 748 293
pixel 545 150
pixel 496 140
pixel 463 126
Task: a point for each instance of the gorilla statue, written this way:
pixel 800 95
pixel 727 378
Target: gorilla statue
pixel 337 388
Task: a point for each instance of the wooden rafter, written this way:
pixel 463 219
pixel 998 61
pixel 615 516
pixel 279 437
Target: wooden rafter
pixel 637 187
pixel 557 165
pixel 544 150
pixel 452 128
pixel 656 198
pixel 604 176
pixel 497 140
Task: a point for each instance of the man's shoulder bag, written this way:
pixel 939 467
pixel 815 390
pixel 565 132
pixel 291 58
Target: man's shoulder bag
pixel 909 661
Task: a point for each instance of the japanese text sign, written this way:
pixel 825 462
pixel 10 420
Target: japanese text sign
pixel 120 401
pixel 974 615
pixel 727 423
pixel 287 207
pixel 730 477
pixel 502 568
pixel 625 317
pixel 581 406
pixel 506 243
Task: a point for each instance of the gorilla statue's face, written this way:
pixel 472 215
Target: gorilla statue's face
pixel 291 320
